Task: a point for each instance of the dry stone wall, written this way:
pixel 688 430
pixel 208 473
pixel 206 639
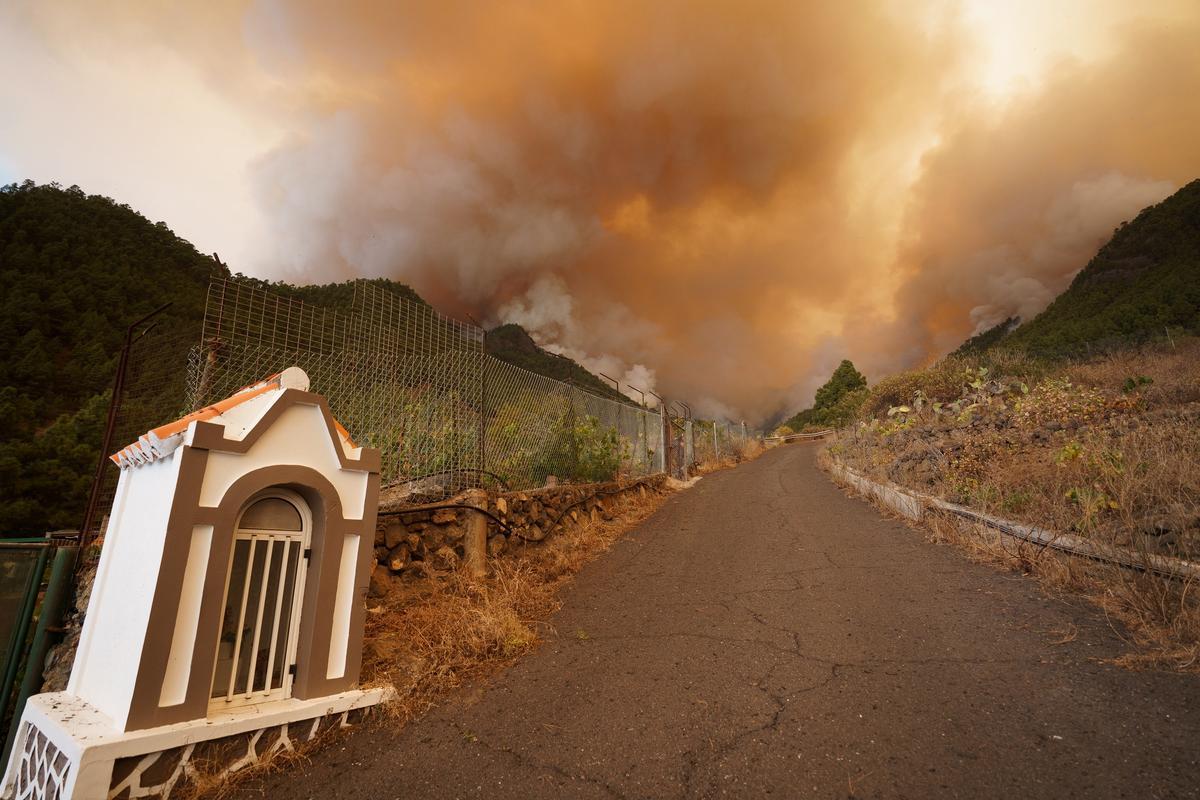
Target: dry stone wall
pixel 417 541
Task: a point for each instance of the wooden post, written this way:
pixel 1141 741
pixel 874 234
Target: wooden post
pixel 475 539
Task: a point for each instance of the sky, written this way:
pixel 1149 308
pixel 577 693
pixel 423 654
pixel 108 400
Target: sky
pixel 714 200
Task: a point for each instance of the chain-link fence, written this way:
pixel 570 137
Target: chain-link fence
pixel 419 386
pixel 712 441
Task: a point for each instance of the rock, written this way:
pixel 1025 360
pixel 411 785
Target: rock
pixel 415 571
pixel 433 538
pixel 534 533
pixel 501 505
pixel 381 582
pixel 551 481
pixel 413 540
pixel 379 537
pixel 497 545
pixel 393 533
pixel 399 557
pixel 536 510
pixel 381 553
pixel 445 559
pixel 444 516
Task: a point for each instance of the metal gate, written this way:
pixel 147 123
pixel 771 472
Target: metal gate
pixel 257 649
pixel 29 598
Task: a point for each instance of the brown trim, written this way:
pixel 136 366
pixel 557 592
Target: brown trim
pixel 316 621
pixel 211 436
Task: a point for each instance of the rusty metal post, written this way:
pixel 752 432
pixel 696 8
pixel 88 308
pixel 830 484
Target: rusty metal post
pixel 114 405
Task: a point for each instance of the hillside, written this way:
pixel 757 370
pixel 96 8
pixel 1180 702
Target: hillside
pixel 75 271
pixel 512 344
pixel 1144 281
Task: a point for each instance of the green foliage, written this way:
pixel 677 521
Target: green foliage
pixel 941 384
pixel 598 451
pixel 75 271
pixel 836 402
pixel 982 342
pixel 1133 384
pixel 512 344
pixel 1143 284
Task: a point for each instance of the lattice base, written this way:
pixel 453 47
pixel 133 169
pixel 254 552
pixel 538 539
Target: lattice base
pixel 42 769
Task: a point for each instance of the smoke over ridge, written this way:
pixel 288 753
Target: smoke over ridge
pixel 717 200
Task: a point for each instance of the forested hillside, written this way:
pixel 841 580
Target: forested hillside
pixel 1142 283
pixel 75 271
pixel 511 343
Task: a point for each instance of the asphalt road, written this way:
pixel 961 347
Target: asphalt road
pixel 765 635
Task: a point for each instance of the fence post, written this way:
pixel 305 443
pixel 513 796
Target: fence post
pixel 114 406
pixel 689 443
pixel 482 432
pixel 716 447
pixel 475 538
pixel 666 437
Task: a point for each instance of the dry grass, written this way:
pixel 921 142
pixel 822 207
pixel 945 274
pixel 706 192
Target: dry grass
pixel 741 452
pixel 1108 449
pixel 1156 619
pixel 430 638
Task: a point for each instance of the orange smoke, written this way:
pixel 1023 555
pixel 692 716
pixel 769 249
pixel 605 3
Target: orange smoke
pixel 720 198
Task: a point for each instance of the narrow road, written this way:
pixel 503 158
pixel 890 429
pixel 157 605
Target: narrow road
pixel 765 635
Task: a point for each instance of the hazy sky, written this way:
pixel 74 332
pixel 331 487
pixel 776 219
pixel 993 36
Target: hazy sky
pixel 719 199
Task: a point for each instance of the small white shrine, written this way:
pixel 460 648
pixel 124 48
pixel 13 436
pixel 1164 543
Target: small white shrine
pixel 228 601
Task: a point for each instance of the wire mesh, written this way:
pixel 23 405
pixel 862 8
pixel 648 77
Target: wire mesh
pixel 418 386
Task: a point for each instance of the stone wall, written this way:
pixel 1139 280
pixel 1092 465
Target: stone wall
pixel 416 541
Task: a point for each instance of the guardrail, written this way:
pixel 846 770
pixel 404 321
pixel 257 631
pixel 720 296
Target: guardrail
pixel 914 505
pixel 791 437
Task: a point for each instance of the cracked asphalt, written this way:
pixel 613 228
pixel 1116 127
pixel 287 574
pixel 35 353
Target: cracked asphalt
pixel 765 635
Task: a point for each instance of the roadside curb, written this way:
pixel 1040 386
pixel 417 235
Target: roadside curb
pixel 915 505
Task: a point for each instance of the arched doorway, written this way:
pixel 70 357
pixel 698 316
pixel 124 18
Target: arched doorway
pixel 256 652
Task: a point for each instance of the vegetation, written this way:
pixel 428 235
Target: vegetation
pixel 982 342
pixel 1144 284
pixel 511 343
pixel 836 402
pixel 75 271
pixel 1107 448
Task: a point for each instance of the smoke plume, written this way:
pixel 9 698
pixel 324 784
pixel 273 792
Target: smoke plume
pixel 716 200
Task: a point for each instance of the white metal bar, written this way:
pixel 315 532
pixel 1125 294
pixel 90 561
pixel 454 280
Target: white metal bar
pixel 283 571
pixel 262 602
pixel 237 641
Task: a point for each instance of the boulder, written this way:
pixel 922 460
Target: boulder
pixel 393 533
pixel 444 558
pixel 381 582
pixel 497 545
pixel 444 516
pixel 398 557
pixel 433 538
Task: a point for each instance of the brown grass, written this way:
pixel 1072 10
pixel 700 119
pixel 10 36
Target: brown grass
pixel 1108 449
pixel 739 452
pixel 430 638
